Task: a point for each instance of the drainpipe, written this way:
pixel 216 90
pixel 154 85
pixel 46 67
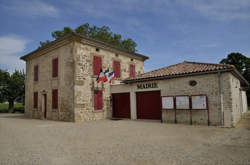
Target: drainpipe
pixel 221 98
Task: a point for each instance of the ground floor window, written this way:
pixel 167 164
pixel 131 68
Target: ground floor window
pixel 98 103
pixel 35 99
pixel 54 99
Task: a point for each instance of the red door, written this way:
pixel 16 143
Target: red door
pixel 45 105
pixel 121 105
pixel 148 105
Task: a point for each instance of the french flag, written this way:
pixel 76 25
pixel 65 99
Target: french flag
pixel 106 74
pixel 111 76
pixel 100 76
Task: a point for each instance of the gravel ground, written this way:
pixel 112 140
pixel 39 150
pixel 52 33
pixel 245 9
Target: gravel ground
pixel 107 142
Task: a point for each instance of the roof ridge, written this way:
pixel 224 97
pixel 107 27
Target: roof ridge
pixel 206 63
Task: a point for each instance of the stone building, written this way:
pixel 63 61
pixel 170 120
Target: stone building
pixel 61 78
pixel 61 85
pixel 188 92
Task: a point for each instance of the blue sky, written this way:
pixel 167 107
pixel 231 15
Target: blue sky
pixel 168 31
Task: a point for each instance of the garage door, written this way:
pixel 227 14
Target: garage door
pixel 148 105
pixel 121 105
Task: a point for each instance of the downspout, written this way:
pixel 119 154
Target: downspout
pixel 221 98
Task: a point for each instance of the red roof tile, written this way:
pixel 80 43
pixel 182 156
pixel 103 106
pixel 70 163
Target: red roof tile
pixel 185 67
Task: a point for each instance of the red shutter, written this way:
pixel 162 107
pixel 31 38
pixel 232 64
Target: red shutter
pixel 117 69
pixel 55 67
pixel 54 99
pixel 132 70
pixel 97 65
pixel 35 99
pixel 36 73
pixel 98 100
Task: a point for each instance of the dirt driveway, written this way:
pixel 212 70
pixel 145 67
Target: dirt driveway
pixel 108 142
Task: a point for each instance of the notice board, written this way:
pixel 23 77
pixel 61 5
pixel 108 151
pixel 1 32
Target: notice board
pixel 167 102
pixel 199 102
pixel 182 102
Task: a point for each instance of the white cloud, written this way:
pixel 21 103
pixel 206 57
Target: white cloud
pixel 10 47
pixel 221 9
pixel 33 8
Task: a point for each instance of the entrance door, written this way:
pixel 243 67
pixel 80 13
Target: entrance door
pixel 45 106
pixel 121 105
pixel 148 105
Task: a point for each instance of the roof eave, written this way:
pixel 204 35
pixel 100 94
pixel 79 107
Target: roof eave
pixel 174 76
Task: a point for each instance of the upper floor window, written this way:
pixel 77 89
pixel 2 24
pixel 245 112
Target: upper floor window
pixel 55 67
pixel 117 69
pixel 54 99
pixel 132 70
pixel 35 99
pixel 36 73
pixel 98 100
pixel 97 65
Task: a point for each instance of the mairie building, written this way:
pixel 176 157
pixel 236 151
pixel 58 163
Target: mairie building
pixel 61 84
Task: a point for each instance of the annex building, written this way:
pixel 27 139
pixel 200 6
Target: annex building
pixel 61 84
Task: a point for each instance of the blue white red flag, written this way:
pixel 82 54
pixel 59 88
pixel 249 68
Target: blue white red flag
pixel 100 76
pixel 111 76
pixel 106 74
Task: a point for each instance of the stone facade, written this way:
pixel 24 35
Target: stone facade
pixel 75 82
pixel 223 106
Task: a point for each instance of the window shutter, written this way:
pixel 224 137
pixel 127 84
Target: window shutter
pixel 117 69
pixel 55 67
pixel 36 73
pixel 98 100
pixel 97 65
pixel 132 70
pixel 35 99
pixel 54 99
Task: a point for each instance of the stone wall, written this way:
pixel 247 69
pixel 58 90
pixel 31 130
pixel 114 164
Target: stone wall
pixel 64 83
pixel 207 84
pixel 85 81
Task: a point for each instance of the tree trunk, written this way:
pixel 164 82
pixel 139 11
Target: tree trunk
pixel 11 106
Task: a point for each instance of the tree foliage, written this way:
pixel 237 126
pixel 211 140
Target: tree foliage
pixel 103 34
pixel 11 86
pixel 242 64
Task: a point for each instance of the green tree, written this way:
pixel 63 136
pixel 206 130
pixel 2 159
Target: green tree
pixel 242 64
pixel 103 34
pixel 12 86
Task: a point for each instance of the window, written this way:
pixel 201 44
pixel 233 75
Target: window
pixel 54 99
pixel 97 65
pixel 98 100
pixel 117 69
pixel 36 73
pixel 35 99
pixel 55 67
pixel 132 70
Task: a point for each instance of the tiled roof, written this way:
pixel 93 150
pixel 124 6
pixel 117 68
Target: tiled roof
pixel 183 68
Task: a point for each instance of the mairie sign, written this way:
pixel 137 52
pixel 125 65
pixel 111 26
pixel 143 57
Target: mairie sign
pixel 147 85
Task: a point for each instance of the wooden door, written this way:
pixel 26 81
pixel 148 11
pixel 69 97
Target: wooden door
pixel 121 105
pixel 148 105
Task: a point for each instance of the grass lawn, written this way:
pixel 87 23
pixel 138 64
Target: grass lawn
pixel 17 107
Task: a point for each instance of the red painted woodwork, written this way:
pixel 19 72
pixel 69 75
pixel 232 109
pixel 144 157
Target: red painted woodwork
pixel 121 105
pixel 55 67
pixel 97 65
pixel 98 103
pixel 35 99
pixel 54 99
pixel 132 70
pixel 148 105
pixel 45 105
pixel 36 73
pixel 117 69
